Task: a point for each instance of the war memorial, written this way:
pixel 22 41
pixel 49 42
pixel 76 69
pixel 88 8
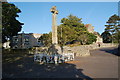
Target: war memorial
pixel 55 53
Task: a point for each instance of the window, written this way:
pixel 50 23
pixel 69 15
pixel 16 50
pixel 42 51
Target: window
pixel 26 38
pixel 26 43
pixel 15 40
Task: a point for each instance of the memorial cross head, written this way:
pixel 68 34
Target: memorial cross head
pixel 54 10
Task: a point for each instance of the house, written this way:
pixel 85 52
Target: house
pixel 90 29
pixel 26 40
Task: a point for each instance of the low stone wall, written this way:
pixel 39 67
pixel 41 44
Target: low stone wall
pixel 84 50
pixel 95 46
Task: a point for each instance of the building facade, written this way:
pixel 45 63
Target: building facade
pixel 90 29
pixel 26 40
pixel 99 38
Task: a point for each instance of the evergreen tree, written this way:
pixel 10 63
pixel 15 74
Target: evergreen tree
pixel 107 37
pixel 10 25
pixel 46 39
pixel 113 27
pixel 72 29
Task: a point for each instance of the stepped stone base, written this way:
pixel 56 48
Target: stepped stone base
pixel 55 49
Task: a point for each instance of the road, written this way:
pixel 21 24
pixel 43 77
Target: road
pixel 101 64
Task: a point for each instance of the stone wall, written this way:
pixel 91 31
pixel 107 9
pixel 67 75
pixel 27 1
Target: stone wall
pixel 83 50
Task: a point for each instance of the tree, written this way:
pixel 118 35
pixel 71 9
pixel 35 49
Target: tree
pixel 46 39
pixel 72 21
pixel 113 27
pixel 116 37
pixel 10 25
pixel 107 37
pixel 68 34
pixel 73 29
pixel 91 38
pixel 70 26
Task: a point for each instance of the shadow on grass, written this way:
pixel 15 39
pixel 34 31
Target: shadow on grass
pixel 23 66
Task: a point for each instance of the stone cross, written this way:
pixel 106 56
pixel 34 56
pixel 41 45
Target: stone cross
pixel 54 25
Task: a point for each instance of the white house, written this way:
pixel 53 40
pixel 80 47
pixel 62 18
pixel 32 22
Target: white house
pixel 26 40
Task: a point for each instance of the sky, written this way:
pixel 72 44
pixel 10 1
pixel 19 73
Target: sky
pixel 62 0
pixel 37 17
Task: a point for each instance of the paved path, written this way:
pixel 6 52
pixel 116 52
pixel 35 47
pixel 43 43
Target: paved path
pixel 101 64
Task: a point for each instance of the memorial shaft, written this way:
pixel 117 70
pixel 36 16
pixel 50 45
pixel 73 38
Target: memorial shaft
pixel 54 30
pixel 55 48
pixel 54 25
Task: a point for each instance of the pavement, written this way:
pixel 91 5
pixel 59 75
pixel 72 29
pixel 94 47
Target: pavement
pixel 101 64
